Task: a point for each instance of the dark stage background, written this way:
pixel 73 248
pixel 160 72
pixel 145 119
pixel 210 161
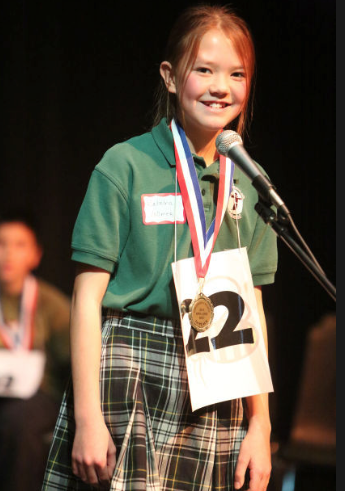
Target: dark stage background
pixel 78 77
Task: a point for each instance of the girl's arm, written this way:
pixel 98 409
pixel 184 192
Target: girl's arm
pixel 255 452
pixel 93 453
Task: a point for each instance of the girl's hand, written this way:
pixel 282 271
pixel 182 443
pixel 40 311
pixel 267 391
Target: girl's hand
pixel 94 454
pixel 255 455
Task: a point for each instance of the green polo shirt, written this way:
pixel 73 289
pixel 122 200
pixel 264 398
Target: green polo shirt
pixel 110 232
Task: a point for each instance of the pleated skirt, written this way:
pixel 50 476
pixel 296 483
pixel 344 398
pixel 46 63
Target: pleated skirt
pixel 161 444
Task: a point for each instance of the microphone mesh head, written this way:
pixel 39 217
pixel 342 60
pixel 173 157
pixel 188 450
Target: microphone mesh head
pixel 226 140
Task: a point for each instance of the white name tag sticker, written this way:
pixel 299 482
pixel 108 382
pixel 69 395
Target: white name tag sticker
pixel 21 372
pixel 162 208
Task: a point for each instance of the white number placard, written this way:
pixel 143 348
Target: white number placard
pixel 228 360
pixel 21 372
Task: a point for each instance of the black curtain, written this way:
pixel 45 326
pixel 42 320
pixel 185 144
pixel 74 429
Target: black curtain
pixel 78 77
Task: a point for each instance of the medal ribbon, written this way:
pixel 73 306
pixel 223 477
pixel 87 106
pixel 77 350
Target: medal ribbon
pixel 203 240
pixel 21 336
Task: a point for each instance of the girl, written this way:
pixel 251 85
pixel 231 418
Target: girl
pixel 128 422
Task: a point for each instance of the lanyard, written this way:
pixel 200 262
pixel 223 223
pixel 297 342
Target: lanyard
pixel 203 240
pixel 20 335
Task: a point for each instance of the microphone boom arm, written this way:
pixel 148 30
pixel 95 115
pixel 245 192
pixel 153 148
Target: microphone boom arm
pixel 229 144
pixel 270 217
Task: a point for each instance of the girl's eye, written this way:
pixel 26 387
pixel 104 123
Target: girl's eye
pixel 203 69
pixel 239 75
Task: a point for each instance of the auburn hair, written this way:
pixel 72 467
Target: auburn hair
pixel 182 49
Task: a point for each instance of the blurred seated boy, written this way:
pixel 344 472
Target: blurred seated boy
pixel 34 320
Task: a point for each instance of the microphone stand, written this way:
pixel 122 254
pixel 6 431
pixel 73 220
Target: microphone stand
pixel 278 224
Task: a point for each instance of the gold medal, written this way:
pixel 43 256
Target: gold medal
pixel 201 312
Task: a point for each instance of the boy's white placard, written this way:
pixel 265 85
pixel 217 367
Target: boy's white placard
pixel 21 372
pixel 229 360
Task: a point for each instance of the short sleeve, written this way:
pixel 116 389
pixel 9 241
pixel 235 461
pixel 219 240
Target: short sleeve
pixel 102 225
pixel 263 254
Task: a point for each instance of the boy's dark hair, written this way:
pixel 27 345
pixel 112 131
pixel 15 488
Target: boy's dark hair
pixel 22 216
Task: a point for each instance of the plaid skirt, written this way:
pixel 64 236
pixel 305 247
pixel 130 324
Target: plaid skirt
pixel 161 445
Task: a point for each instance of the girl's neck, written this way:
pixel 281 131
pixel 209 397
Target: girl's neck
pixel 203 145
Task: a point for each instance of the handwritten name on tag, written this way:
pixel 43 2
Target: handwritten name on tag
pixel 162 208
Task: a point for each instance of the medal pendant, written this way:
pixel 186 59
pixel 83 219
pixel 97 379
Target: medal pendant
pixel 201 312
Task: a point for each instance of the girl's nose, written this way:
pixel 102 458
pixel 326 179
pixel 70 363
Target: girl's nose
pixel 219 85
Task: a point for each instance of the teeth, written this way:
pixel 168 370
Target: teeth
pixel 216 104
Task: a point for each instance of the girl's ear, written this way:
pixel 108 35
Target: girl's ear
pixel 166 71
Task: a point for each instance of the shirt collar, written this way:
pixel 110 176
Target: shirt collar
pixel 163 138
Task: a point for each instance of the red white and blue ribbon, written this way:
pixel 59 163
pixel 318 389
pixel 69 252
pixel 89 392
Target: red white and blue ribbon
pixel 19 335
pixel 203 240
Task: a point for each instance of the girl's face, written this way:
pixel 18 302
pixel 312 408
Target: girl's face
pixel 216 87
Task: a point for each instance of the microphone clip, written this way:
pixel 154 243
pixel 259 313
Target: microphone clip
pixel 267 194
pixel 278 220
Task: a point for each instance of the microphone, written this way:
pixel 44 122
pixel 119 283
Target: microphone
pixel 229 144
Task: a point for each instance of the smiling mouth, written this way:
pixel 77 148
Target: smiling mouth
pixel 216 105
